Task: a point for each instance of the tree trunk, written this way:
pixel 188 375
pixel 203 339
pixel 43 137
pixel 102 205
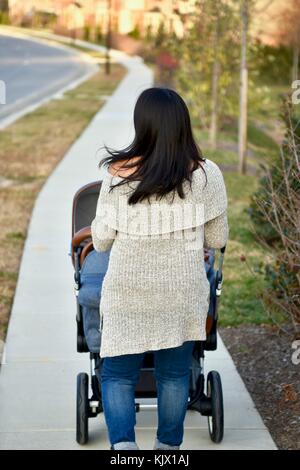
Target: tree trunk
pixel 215 88
pixel 242 143
pixel 108 39
pixel 295 61
pixel 214 105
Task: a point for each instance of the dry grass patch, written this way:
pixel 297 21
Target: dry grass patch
pixel 29 151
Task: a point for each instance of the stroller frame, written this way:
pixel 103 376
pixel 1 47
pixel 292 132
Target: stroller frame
pixel 89 402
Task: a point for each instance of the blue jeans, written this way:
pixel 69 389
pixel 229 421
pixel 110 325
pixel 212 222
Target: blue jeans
pixel 119 376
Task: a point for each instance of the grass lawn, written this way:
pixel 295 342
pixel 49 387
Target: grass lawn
pixel 243 277
pixel 243 282
pixel 29 151
pixel 95 54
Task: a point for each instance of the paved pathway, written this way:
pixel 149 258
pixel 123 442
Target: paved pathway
pixel 38 377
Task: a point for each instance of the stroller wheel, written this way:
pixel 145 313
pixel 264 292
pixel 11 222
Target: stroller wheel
pixel 82 411
pixel 216 419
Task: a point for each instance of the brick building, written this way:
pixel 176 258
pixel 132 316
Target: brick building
pixel 126 15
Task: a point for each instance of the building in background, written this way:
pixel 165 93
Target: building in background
pixel 139 15
pixel 126 15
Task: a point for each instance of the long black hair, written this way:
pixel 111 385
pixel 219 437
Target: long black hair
pixel 164 142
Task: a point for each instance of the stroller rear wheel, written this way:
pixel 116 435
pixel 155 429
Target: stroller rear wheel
pixel 216 418
pixel 82 408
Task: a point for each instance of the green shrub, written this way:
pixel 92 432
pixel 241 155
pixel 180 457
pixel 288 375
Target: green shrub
pixel 4 17
pixel 86 32
pixel 271 64
pixel 135 33
pixel 98 34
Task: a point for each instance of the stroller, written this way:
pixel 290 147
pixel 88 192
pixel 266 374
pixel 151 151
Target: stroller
pixel 90 267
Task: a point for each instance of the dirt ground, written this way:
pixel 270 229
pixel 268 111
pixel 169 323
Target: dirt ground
pixel 263 356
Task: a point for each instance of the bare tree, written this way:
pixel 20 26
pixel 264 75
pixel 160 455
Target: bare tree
pixel 279 205
pixel 215 83
pixel 245 7
pixel 243 121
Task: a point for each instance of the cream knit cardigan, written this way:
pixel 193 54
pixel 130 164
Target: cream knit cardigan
pixel 155 293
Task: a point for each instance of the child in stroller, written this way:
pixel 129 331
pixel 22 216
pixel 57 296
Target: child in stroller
pixel 90 267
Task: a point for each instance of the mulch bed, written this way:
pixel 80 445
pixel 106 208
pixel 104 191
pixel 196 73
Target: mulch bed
pixel 263 357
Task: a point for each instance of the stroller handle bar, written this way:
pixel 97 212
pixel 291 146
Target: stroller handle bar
pixel 219 273
pixel 80 236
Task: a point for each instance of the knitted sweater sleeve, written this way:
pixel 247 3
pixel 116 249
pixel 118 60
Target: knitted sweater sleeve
pixel 214 192
pixel 103 235
pixel 216 232
pixel 216 228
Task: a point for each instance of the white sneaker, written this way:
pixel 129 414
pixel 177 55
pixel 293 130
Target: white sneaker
pixel 159 445
pixel 125 445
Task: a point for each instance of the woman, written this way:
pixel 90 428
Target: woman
pixel 159 204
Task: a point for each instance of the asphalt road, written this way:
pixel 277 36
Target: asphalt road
pixel 32 71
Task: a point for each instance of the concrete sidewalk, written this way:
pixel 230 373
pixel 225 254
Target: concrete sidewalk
pixel 38 377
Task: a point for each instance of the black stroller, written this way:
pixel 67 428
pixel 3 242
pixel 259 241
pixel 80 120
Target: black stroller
pixel 90 267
